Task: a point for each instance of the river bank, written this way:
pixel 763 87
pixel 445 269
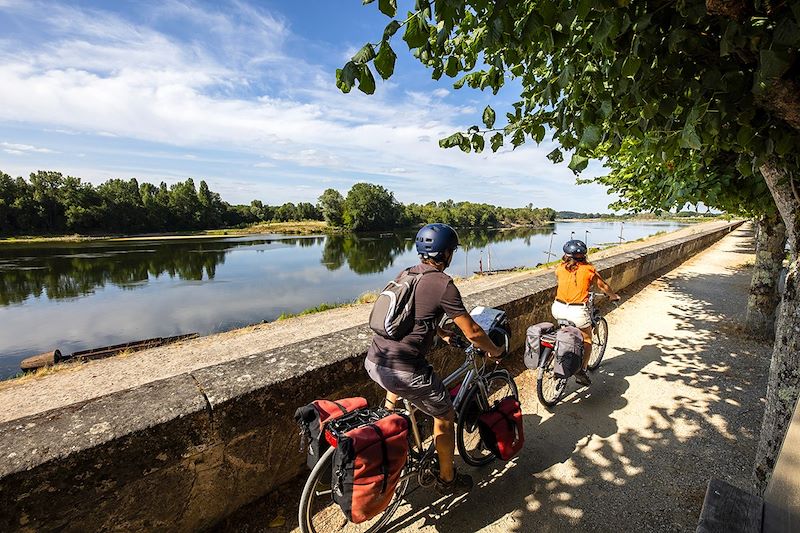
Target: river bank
pixel 305 227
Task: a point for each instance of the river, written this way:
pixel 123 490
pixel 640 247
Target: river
pixel 82 295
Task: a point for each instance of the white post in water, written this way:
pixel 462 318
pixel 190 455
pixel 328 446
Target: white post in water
pixel 550 249
pixel 586 239
pixel 621 225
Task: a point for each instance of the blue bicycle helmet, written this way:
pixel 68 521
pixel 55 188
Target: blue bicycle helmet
pixel 575 249
pixel 435 239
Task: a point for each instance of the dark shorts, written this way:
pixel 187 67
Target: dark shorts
pixel 424 389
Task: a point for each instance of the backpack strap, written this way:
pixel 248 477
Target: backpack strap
pixel 385 459
pixel 429 324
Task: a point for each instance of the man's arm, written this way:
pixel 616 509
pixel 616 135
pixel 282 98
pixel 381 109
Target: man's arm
pixel 475 334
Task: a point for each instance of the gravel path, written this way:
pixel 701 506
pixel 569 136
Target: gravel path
pixel 678 399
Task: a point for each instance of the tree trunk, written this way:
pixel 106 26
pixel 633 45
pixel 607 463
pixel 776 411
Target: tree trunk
pixel 764 298
pixel 783 386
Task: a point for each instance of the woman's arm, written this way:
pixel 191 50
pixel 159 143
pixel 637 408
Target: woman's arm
pixel 606 288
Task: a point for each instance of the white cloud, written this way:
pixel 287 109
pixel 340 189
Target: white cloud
pixel 246 92
pixel 15 148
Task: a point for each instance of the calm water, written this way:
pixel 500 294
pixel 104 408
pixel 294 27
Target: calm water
pixel 75 296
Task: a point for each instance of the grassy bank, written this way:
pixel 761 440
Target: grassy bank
pixel 305 227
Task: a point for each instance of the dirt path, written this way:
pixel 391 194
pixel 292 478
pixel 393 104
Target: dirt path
pixel 84 381
pixel 677 400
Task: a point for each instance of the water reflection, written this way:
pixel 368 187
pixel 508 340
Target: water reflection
pixel 75 296
pixel 69 271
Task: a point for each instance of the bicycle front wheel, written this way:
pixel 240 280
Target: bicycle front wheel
pixel 318 513
pixel 549 387
pixel 599 343
pixel 499 385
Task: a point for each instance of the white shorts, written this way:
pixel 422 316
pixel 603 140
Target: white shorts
pixel 577 314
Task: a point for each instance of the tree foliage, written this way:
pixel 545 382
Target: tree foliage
pixel 686 87
pixel 50 202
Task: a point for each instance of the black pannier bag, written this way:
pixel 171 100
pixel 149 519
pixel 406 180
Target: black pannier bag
pixel 312 418
pixel 569 351
pixel 367 464
pixel 533 343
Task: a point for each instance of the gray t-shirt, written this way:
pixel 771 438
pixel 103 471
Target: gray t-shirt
pixel 435 295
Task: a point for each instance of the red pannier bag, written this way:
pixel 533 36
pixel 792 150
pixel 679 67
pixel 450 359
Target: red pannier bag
pixel 367 465
pixel 312 418
pixel 501 428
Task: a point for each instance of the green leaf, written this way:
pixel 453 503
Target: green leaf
pixel 365 55
pixel 497 141
pixel 450 141
pixel 451 68
pixel 390 30
pixel 631 66
pixel 773 64
pixel 346 77
pixel 478 143
pixel 385 60
pixel 388 7
pixel 366 83
pixel 556 156
pixel 786 33
pixel 689 138
pixel 489 117
pixel 365 2
pixel 591 137
pixel 578 163
pixel 464 143
pixel 538 133
pixel 417 33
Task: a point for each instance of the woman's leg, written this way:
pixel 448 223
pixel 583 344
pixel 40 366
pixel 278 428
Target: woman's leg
pixel 587 346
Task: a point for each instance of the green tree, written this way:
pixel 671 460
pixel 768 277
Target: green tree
pixel 331 203
pixel 184 204
pixel 686 80
pixel 370 207
pixel 286 212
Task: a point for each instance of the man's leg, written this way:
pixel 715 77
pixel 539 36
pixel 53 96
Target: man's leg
pixel 444 437
pixel 391 401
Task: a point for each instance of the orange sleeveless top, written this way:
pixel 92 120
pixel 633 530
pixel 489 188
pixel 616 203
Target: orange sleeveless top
pixel 573 287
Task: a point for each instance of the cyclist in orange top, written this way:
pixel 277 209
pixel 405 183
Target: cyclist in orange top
pixel 575 278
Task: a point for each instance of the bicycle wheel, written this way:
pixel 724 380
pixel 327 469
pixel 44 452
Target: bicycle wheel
pixel 599 343
pixel 499 384
pixel 549 387
pixel 319 514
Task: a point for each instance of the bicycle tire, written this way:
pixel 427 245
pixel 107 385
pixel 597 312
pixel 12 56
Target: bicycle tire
pixel 599 343
pixel 333 519
pixel 467 435
pixel 549 388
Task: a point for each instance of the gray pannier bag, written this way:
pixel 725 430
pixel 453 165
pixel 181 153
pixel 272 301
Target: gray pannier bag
pixel 392 313
pixel 533 343
pixel 569 351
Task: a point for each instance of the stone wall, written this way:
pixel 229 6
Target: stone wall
pixel 182 453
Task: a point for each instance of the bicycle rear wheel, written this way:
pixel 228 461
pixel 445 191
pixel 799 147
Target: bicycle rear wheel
pixel 319 514
pixel 499 385
pixel 599 343
pixel 549 387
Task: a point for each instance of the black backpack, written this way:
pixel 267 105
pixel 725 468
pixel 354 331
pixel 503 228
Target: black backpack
pixel 392 313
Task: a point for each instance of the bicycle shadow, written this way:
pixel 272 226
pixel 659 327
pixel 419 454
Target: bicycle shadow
pixel 551 439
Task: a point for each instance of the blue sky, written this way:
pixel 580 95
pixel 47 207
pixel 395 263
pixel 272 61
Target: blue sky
pixel 242 94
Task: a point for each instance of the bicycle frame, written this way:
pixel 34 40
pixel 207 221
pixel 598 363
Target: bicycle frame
pixel 471 374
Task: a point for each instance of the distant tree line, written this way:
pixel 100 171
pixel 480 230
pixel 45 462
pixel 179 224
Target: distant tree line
pixel 625 216
pixel 373 207
pixel 51 203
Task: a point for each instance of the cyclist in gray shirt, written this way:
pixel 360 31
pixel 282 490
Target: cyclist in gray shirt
pixel 401 367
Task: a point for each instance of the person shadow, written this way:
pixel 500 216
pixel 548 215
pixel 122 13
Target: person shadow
pixel 533 491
